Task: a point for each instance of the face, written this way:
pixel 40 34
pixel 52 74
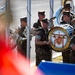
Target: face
pixel 41 17
pixel 66 18
pixel 44 25
pixel 67 9
pixel 23 24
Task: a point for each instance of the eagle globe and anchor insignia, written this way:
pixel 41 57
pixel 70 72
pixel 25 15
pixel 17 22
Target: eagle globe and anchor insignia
pixel 59 38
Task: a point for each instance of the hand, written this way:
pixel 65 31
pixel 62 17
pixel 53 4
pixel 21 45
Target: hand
pixel 48 42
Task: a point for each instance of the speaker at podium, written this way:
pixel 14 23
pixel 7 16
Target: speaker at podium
pixel 50 68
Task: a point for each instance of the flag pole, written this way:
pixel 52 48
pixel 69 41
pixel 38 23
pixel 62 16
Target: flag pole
pixel 51 3
pixel 7 13
pixel 51 8
pixel 28 27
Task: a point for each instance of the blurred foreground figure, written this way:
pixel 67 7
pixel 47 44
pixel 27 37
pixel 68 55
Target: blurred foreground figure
pixel 12 65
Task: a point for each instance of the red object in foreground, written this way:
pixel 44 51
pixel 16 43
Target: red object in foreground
pixel 10 64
